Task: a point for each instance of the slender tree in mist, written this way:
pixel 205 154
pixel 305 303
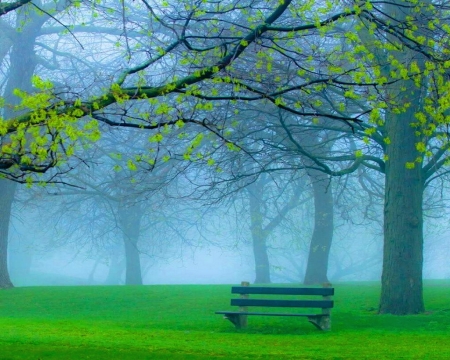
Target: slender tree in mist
pixel 267 210
pixel 129 202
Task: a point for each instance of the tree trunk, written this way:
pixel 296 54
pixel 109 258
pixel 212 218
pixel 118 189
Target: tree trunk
pixel 402 291
pixel 23 63
pixel 130 220
pixel 319 251
pixel 133 274
pixel 7 190
pixel 259 236
pixel 401 280
pixel 262 265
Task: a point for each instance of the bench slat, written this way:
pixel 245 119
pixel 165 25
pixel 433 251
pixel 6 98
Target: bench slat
pixel 281 290
pixel 266 314
pixel 283 303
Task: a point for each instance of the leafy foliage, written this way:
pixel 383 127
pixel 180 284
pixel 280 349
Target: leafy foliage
pixel 193 62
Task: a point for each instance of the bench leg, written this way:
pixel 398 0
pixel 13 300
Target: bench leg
pixel 240 321
pixel 322 323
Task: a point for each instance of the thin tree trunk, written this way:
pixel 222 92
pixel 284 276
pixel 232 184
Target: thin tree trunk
pixel 259 238
pixel 133 274
pixel 319 251
pixel 130 220
pixel 7 190
pixel 261 226
pixel 262 265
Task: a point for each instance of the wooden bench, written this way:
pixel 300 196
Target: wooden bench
pixel 321 321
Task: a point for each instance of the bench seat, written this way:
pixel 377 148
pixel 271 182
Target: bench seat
pixel 266 314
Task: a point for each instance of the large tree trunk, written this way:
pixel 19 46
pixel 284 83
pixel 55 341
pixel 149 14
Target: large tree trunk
pixel 401 291
pixel 7 190
pixel 319 251
pixel 130 221
pixel 259 237
pixel 401 281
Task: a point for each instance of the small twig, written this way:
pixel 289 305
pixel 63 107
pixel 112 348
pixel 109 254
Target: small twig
pixel 124 27
pixel 59 22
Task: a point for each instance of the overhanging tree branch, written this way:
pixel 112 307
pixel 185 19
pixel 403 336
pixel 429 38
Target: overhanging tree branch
pixel 6 8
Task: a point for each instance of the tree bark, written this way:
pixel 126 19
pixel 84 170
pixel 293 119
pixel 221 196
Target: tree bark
pixel 7 190
pixel 402 289
pixel 401 280
pixel 319 251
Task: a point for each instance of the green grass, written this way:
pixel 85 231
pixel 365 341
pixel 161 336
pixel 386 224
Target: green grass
pixel 178 322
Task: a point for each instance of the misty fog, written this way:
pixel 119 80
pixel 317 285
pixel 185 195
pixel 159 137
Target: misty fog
pixel 36 262
pixel 218 141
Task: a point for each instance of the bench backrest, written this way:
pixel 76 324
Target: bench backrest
pixel 246 290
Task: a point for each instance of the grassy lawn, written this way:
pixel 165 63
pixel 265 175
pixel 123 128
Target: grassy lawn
pixel 178 322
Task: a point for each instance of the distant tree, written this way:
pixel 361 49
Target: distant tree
pixel 134 205
pixel 269 202
pixel 6 200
